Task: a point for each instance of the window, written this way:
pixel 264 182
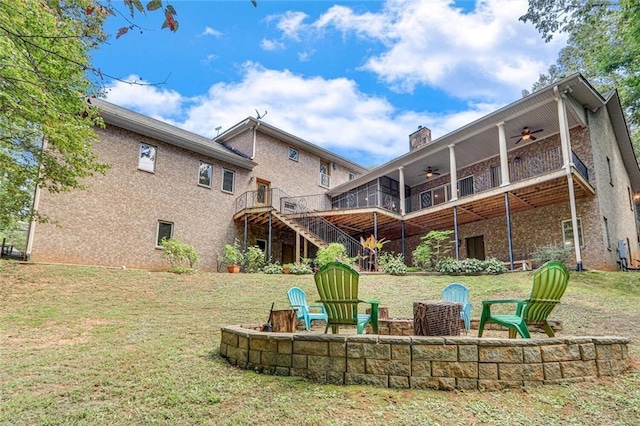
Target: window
pixel 567 233
pixel 352 176
pixel 606 233
pixel 228 180
pixel 630 198
pixel 496 176
pixel 465 186
pixel 165 230
pixel 435 196
pixel 293 154
pixel 610 174
pixel 204 174
pixel 147 158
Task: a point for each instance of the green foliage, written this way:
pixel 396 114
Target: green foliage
pixel 46 129
pixel 393 264
pixel 435 246
pixel 272 268
pixel 331 253
pixel 46 126
pixel 451 266
pixel 178 253
pixel 232 254
pixel 254 259
pixel 603 44
pixel 494 266
pixel 301 268
pixel 181 270
pixel 545 254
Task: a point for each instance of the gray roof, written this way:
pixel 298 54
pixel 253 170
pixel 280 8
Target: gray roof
pixel 139 123
pixel 477 140
pixel 296 142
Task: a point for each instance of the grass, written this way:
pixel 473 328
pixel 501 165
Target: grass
pixel 86 345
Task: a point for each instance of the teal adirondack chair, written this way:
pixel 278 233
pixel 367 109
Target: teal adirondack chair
pixel 456 292
pixel 337 285
pixel 549 284
pixel 298 299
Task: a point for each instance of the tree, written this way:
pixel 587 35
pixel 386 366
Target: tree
pixel 603 44
pixel 46 129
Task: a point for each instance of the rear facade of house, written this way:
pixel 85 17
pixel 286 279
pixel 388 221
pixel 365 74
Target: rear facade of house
pixel 553 169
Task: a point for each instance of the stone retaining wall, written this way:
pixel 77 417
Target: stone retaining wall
pixel 425 362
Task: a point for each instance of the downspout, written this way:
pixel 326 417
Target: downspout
pixel 255 131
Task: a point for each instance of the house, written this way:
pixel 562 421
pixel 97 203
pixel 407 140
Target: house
pixel 167 182
pixel 555 168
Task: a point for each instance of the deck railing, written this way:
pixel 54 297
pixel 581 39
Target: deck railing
pixel 299 211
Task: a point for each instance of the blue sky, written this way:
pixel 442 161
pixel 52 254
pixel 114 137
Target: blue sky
pixel 356 77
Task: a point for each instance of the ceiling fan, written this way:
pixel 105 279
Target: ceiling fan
pixel 431 172
pixel 527 134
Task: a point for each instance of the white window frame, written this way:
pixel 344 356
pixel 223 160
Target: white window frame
pixel 163 222
pixel 205 185
pixel 447 195
pixel 146 167
pixel 294 154
pixel 233 181
pixel 566 227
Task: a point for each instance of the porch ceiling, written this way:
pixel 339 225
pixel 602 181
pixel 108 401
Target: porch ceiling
pixel 480 207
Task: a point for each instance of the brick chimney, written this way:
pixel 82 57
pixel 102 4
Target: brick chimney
pixel 419 138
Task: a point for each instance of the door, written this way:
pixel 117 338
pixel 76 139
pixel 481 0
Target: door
pixel 287 254
pixel 475 247
pixel 325 172
pixel 263 193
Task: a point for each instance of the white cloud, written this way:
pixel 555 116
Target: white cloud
pixel 144 97
pixel 433 43
pixel 332 113
pixel 208 31
pixel 290 23
pixel 269 45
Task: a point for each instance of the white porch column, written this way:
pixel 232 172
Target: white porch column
pixel 565 142
pixel 504 160
pixel 402 201
pixel 453 173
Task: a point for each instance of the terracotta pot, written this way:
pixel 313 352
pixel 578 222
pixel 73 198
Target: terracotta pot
pixel 233 269
pixel 286 270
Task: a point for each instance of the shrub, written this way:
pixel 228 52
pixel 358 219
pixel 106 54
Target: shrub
pixel 301 268
pixel 471 266
pixel 435 246
pixel 449 266
pixel 393 264
pixel 545 254
pixel 254 259
pixel 331 253
pixel 232 254
pixel 494 266
pixel 178 253
pixel 272 268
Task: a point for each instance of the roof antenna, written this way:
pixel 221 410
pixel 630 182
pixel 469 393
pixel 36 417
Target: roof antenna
pixel 218 130
pixel 259 117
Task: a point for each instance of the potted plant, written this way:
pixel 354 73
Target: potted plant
pixel 286 268
pixel 233 257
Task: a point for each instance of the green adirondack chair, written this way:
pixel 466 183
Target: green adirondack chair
pixel 549 284
pixel 337 285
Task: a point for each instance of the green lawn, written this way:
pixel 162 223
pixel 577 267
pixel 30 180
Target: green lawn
pixel 105 346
